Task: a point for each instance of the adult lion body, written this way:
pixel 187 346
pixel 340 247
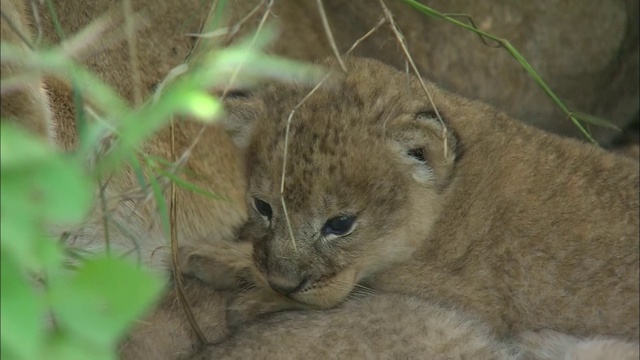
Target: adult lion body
pixel 594 73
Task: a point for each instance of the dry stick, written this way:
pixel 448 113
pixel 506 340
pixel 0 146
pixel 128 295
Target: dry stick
pixel 235 28
pixel 284 161
pixel 188 151
pixel 363 37
pixel 327 30
pixel 196 45
pixel 177 275
pixel 405 49
pixel 16 30
pixel 173 206
pixel 36 21
pixel 133 51
pixel 286 134
pixel 229 31
pixel 253 41
pixel 105 216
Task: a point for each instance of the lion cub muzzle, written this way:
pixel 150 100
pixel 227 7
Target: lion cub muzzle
pixel 288 285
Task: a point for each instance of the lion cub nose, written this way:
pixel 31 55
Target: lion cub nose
pixel 286 284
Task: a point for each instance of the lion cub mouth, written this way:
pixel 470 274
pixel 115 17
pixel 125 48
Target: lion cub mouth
pixel 328 291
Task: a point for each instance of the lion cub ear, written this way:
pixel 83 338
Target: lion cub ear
pixel 241 112
pixel 426 144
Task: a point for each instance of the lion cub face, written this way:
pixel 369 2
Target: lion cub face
pixel 367 165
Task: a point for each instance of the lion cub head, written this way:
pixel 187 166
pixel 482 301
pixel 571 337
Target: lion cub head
pixel 366 165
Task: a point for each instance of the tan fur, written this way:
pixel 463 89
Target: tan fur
pixel 165 333
pixel 630 150
pixel 526 229
pixel 368 325
pixel 379 325
pixel 29 101
pixel 550 345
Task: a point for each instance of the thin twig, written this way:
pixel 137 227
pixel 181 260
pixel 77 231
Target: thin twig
pixel 235 73
pixel 15 29
pixel 290 117
pixel 237 26
pixel 284 161
pixel 177 274
pixel 366 35
pixel 253 41
pixel 105 216
pixel 196 45
pixel 405 49
pixel 327 30
pixel 173 206
pixel 36 20
pixel 133 51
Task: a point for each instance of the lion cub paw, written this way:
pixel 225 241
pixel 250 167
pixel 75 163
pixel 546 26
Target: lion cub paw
pixel 222 265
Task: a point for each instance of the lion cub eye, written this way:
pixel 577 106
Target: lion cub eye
pixel 339 225
pixel 263 208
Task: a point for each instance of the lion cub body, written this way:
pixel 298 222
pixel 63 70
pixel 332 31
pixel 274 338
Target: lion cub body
pixel 366 326
pixel 525 229
pixel 384 325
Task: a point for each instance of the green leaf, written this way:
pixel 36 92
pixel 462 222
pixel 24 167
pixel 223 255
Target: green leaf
pixel 40 181
pixel 202 105
pixel 163 209
pixel 595 120
pixel 103 299
pixel 19 149
pixel 21 312
pixel 20 230
pixel 65 189
pixel 66 346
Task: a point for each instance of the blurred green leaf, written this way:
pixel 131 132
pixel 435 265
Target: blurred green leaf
pixel 18 149
pixel 50 182
pixel 595 120
pixel 19 233
pixel 201 105
pixel 21 312
pixel 66 346
pixel 37 184
pixel 163 209
pixel 103 298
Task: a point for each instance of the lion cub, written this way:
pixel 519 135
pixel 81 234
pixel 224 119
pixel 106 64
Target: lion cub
pixel 523 228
